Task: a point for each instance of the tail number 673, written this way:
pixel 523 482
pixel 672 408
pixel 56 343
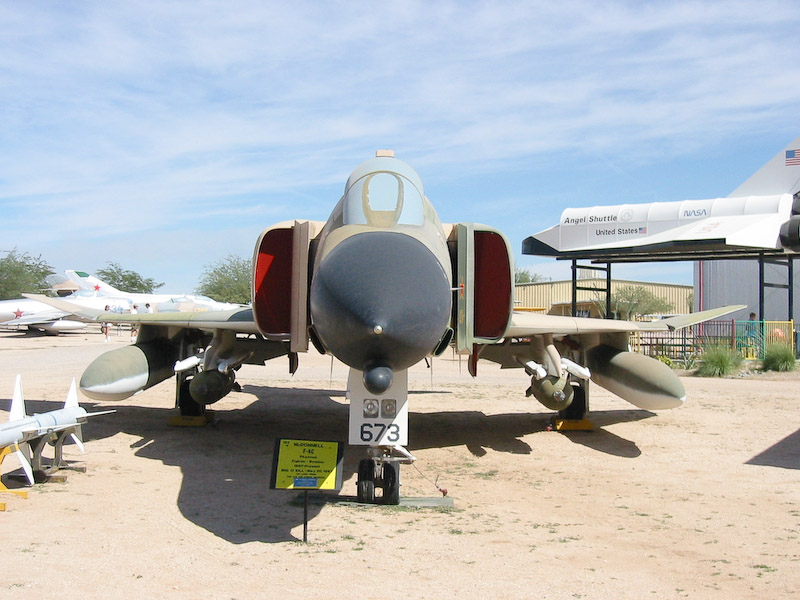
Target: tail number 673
pixel 375 432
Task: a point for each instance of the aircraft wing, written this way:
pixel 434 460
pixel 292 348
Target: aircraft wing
pixel 237 320
pixel 524 324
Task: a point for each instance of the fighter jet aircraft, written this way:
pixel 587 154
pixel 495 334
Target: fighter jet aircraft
pixel 381 285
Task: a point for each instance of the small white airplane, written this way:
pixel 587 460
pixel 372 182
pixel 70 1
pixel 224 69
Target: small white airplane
pixel 35 315
pixel 22 431
pixel 159 302
pixel 96 294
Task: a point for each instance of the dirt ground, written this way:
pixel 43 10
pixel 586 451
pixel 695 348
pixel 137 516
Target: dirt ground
pixel 702 501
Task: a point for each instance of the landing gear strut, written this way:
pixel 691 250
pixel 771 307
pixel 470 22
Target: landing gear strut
pixel 190 413
pixel 575 416
pixel 186 404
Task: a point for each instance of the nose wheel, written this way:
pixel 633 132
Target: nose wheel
pixel 391 483
pixel 383 473
pixel 366 481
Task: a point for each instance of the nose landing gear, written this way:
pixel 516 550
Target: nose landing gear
pixel 382 472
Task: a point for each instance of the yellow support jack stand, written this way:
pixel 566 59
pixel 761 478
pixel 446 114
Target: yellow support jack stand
pixel 191 421
pixel 3 489
pixel 573 425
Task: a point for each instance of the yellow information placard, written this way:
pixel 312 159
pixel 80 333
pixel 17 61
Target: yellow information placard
pixel 306 465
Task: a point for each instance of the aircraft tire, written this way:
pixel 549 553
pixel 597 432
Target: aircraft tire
pixel 366 492
pixel 577 409
pixel 391 483
pixel 186 404
pixel 366 481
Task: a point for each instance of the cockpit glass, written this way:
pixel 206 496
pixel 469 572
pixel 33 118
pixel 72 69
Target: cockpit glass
pixel 383 199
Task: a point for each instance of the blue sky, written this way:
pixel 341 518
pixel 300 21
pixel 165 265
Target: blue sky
pixel 165 136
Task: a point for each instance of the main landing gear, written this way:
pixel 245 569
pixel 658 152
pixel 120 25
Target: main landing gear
pixel 190 413
pixel 575 416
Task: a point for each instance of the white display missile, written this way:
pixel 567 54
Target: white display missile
pixel 21 429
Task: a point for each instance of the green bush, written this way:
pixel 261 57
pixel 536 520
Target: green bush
pixel 719 361
pixel 779 357
pixel 689 360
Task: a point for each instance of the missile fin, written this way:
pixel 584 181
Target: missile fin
pixel 102 412
pixel 77 437
pixel 72 396
pixel 23 453
pixel 17 402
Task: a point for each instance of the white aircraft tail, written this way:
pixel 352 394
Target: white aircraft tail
pixel 92 283
pixel 774 178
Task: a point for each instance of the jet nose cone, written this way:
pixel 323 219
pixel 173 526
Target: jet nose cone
pixel 380 298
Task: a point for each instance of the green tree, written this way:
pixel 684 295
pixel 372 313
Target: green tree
pixel 22 273
pixel 522 275
pixel 632 301
pixel 227 280
pixel 127 281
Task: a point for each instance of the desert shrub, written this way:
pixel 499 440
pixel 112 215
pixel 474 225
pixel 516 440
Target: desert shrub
pixel 779 357
pixel 664 359
pixel 690 360
pixel 719 361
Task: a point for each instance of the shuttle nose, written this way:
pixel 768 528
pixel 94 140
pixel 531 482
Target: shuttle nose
pixel 380 302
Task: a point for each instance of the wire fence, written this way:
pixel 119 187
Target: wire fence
pixel 749 338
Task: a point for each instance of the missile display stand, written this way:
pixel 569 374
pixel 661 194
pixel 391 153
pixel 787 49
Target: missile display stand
pixel 44 469
pixel 3 489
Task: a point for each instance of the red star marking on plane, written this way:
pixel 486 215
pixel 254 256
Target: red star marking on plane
pixel 18 314
pixel 96 288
